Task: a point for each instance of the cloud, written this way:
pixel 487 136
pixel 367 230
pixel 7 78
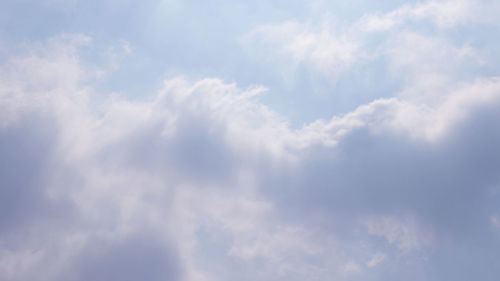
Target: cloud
pixel 443 14
pixel 412 42
pixel 201 181
pixel 136 257
pixel 321 47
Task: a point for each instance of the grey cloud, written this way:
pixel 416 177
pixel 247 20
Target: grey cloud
pixel 41 211
pixel 452 185
pixel 373 172
pixel 27 147
pixel 196 152
pixel 136 257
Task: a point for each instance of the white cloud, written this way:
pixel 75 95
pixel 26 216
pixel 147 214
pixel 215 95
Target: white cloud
pixel 351 267
pixel 444 14
pixel 321 48
pixel 376 260
pixel 395 42
pixel 495 221
pixel 403 232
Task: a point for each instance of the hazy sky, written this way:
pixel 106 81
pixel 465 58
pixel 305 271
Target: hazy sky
pixel 249 140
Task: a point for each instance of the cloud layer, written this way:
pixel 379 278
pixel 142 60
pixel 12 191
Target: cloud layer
pixel 200 179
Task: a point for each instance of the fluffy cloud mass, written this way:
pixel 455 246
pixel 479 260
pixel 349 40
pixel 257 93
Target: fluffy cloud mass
pixel 203 179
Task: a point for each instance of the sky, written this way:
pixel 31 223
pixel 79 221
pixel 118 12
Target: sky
pixel 168 140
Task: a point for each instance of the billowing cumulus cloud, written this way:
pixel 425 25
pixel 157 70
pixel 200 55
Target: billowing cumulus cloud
pixel 204 179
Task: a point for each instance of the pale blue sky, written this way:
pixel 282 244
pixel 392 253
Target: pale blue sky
pixel 199 39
